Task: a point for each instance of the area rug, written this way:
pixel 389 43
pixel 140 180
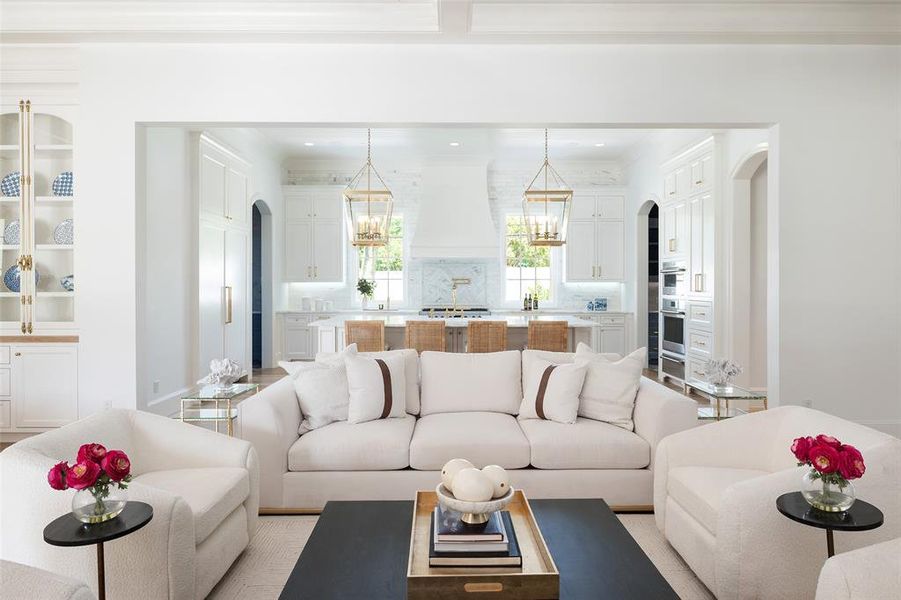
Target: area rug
pixel 261 571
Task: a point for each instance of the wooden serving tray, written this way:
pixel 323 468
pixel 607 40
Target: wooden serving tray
pixel 538 579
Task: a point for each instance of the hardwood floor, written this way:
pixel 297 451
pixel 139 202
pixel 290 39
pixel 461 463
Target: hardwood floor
pixel 266 377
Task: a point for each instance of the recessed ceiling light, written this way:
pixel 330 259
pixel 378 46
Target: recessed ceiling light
pixel 599 145
pixel 309 144
pixel 454 144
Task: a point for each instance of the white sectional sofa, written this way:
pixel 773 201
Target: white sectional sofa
pixel 465 406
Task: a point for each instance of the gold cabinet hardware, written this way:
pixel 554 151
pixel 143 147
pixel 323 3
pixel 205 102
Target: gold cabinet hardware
pixel 699 282
pixel 228 304
pixel 310 272
pixel 24 328
pixel 18 354
pixel 594 271
pixel 599 271
pixel 29 327
pixel 699 182
pixel 315 272
pixel 672 244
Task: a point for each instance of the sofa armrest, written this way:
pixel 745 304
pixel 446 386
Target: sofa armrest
pixel 158 560
pixel 270 420
pixel 869 572
pixel 659 412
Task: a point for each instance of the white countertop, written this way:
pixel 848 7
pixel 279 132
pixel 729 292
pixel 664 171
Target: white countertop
pixel 400 320
pixel 495 312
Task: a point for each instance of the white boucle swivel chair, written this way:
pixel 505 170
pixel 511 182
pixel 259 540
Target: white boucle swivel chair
pixel 21 582
pixel 715 490
pixel 203 487
pixel 867 573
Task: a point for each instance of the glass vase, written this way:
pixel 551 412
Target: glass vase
pixel 826 495
pixel 92 506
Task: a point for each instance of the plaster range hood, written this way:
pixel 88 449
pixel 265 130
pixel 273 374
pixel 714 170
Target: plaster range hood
pixel 454 217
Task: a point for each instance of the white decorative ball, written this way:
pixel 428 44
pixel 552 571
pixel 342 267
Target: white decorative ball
pixel 450 470
pixel 472 485
pixel 499 479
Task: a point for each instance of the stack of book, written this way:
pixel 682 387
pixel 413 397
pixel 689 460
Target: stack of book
pixel 455 543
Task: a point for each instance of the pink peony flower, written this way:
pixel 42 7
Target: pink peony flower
pixel 56 477
pixel 801 448
pixel 851 464
pixel 824 458
pixel 116 465
pixel 83 475
pixel 92 452
pixel 828 440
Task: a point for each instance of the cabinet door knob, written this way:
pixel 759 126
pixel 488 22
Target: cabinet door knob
pixel 18 354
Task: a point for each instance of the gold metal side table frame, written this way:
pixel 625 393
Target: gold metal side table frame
pixel 209 404
pixel 718 397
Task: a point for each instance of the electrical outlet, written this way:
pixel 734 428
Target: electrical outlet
pixel 156 387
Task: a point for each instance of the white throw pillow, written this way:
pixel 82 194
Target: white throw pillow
pixel 610 386
pixel 336 358
pixel 552 391
pixel 322 394
pixel 411 374
pixel 377 387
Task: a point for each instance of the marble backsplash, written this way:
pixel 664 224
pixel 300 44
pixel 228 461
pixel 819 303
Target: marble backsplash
pixel 437 280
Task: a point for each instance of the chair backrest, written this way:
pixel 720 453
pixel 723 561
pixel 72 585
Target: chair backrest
pixel 425 335
pixel 369 336
pixel 486 336
pixel 548 335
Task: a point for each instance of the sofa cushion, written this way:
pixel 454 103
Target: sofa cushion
pixel 411 369
pixel 453 382
pixel 321 394
pixel 586 444
pixel 211 493
pixel 551 392
pixel 610 386
pixel 483 438
pixel 698 489
pixel 380 445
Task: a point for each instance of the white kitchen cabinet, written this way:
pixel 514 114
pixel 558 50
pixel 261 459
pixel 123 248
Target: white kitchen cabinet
pixel 702 173
pixel 6 419
pixel 42 401
pixel 674 217
pixel 612 339
pixel 683 181
pixel 595 243
pixel 610 241
pixel 314 235
pixel 701 251
pixel 299 340
pixel 223 255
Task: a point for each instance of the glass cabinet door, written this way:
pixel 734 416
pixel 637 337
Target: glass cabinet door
pixel 39 227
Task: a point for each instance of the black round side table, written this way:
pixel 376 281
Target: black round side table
pixel 862 516
pixel 69 531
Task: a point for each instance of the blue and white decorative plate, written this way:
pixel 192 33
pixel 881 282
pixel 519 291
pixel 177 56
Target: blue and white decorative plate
pixel 68 283
pixel 11 233
pixel 11 278
pixel 64 233
pixel 9 185
pixel 63 185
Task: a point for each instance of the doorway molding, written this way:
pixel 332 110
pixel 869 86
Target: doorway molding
pixel 739 285
pixel 266 279
pixel 641 270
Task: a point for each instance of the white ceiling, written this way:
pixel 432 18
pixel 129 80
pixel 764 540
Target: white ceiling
pixel 418 143
pixel 454 21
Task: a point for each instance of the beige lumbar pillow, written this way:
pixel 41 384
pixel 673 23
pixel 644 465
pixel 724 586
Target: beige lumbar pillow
pixel 376 386
pixel 552 391
pixel 610 387
pixel 322 395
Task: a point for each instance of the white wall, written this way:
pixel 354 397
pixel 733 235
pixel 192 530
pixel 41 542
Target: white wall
pixel 758 295
pixel 834 155
pixel 167 254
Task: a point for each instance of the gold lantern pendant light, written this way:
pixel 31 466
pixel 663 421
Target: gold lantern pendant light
pixel 368 209
pixel 546 209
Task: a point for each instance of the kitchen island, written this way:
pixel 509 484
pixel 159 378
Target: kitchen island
pixel 329 333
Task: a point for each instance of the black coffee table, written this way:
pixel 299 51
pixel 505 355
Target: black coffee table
pixel 69 531
pixel 360 549
pixel 862 516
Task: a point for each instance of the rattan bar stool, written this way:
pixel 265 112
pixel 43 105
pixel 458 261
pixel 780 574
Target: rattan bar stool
pixel 549 335
pixel 486 336
pixel 425 335
pixel 369 336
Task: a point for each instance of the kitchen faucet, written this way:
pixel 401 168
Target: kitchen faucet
pixel 457 281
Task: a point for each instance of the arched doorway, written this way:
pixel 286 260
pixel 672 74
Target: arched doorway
pixel 261 285
pixel 647 293
pixel 750 268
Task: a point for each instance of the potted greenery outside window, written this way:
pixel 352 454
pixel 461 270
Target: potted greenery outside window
pixel 366 289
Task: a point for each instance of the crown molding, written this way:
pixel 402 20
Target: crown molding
pixel 452 21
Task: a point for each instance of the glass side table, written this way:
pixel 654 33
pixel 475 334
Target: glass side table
pixel 719 397
pixel 211 404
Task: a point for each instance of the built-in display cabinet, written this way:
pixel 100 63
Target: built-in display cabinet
pixel 688 237
pixel 222 185
pixel 314 234
pixel 595 243
pixel 38 334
